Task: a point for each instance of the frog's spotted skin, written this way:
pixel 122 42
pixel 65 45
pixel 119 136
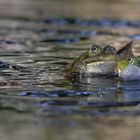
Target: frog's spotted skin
pixel 99 61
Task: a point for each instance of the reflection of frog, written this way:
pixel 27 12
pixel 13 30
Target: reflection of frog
pixel 99 61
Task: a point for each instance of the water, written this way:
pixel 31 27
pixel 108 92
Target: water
pixel 44 36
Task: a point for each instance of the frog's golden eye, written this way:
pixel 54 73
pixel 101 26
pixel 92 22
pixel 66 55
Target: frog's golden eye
pixel 130 60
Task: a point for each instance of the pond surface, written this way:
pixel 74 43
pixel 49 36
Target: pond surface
pixel 44 36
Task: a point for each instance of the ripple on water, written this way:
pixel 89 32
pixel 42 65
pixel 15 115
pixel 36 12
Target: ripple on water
pixel 44 46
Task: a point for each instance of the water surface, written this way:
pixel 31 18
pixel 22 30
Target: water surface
pixel 44 36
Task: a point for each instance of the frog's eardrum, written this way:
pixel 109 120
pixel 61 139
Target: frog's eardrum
pixel 131 72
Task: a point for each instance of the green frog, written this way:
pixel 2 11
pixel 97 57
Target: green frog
pixel 98 61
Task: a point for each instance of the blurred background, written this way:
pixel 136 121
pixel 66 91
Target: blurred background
pixel 126 9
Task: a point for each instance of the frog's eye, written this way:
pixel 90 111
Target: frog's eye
pixel 110 50
pixel 130 59
pixel 95 49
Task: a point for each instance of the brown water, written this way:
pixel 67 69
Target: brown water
pixel 43 36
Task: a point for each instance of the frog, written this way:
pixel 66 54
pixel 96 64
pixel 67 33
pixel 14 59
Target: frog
pixel 100 61
pixel 126 53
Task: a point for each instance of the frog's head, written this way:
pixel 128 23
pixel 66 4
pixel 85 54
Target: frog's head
pixel 126 53
pixel 106 60
pixel 98 53
pixel 101 60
